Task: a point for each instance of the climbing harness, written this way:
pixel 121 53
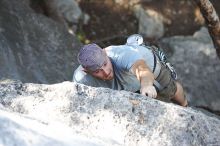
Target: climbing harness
pixel 163 59
pixel 137 40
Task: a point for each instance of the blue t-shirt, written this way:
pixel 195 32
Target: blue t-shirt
pixel 122 58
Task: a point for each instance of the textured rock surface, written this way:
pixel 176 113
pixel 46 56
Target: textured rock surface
pixel 34 48
pixel 150 22
pixel 198 67
pixel 116 117
pixel 67 12
pixel 18 130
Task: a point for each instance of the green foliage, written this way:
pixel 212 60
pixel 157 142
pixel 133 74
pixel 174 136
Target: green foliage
pixel 82 37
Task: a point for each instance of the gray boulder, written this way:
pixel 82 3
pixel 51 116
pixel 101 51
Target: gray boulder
pixel 34 48
pixel 198 66
pixel 67 12
pixel 150 22
pixel 115 117
pixel 19 130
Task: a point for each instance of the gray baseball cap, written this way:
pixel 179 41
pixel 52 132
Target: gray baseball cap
pixel 91 57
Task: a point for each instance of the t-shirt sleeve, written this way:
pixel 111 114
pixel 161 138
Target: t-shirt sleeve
pixel 81 77
pixel 128 58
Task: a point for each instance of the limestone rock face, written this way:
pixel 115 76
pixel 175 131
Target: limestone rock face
pixel 115 117
pixel 33 48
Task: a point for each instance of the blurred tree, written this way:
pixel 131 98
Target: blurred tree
pixel 212 22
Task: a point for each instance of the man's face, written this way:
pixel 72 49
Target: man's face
pixel 105 72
